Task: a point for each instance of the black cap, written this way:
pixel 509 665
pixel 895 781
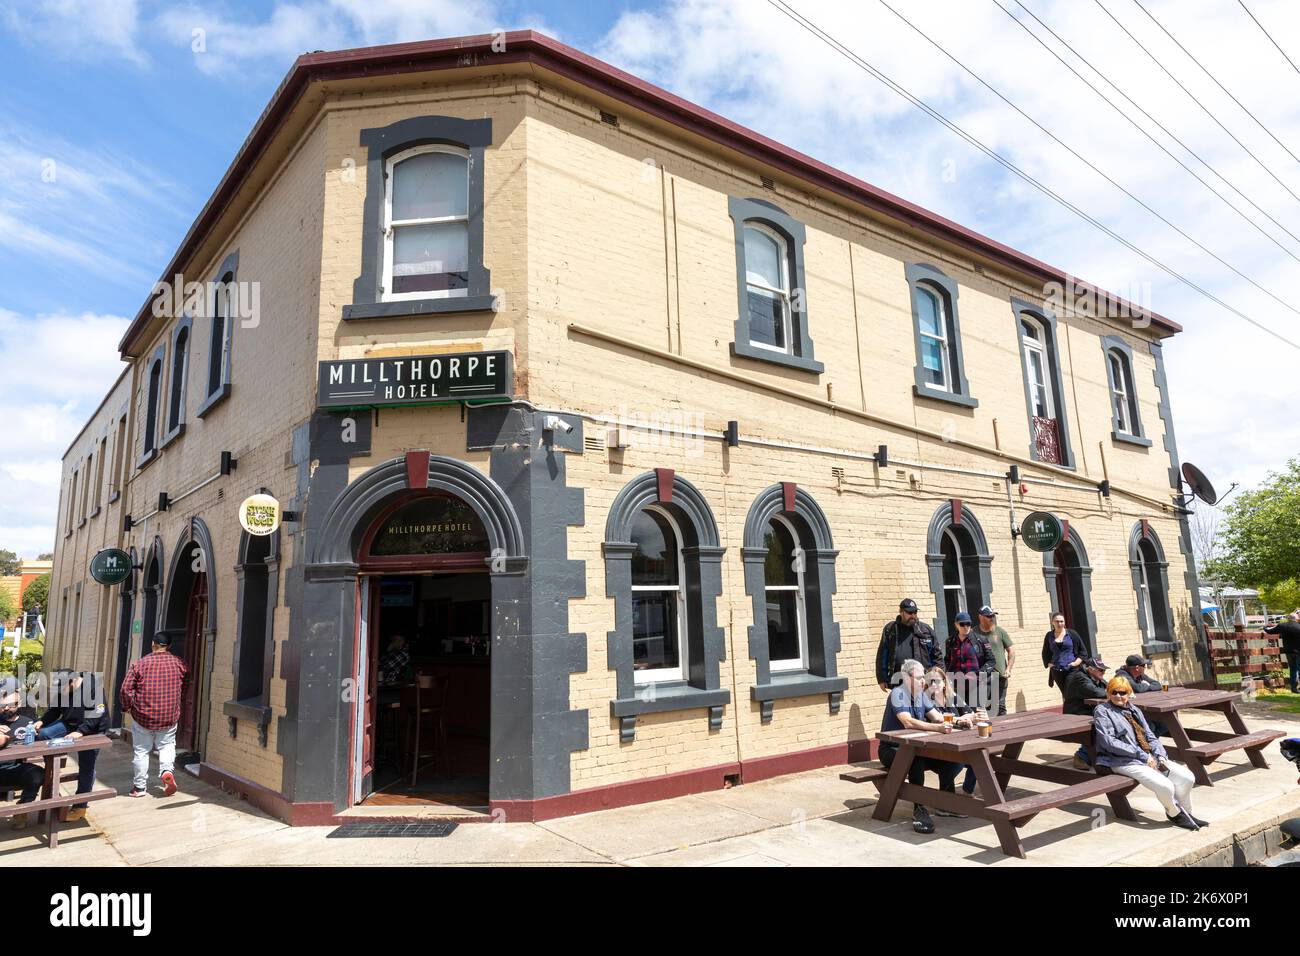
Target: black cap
pixel 1136 660
pixel 162 638
pixel 962 618
pixel 1096 662
pixel 907 604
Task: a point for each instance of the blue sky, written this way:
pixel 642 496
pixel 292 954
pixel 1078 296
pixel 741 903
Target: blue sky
pixel 114 130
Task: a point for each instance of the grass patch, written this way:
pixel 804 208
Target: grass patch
pixel 1280 700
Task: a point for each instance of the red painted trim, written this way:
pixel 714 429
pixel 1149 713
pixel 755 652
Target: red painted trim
pixel 417 470
pixel 778 765
pixel 267 800
pixel 787 495
pixel 616 795
pixel 527 46
pixel 664 477
pixel 956 511
pixel 1146 529
pixel 1065 531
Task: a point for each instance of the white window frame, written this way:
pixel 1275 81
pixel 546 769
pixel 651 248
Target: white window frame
pixel 782 295
pixel 945 356
pixel 1144 589
pixel 801 623
pixel 652 675
pixel 1119 391
pixel 960 586
pixel 388 225
pixel 1038 347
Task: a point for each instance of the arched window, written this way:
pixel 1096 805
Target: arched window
pixel 767 286
pixel 153 399
pixel 1033 341
pixel 1068 577
pixel 1151 584
pixel 1125 417
pixel 959 563
pixel 1121 391
pixel 426 223
pixel 940 372
pixel 222 331
pixel 179 379
pixel 783 587
pixel 658 598
pixel 932 326
pixel 1049 434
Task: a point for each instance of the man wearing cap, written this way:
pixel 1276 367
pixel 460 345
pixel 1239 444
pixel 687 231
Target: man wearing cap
pixel 1289 631
pixel 970 658
pixel 1004 655
pixel 905 637
pixel 1135 672
pixel 151 694
pixel 1083 683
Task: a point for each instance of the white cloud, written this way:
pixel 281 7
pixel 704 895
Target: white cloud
pixel 79 29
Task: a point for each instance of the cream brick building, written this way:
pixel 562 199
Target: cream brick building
pixel 644 273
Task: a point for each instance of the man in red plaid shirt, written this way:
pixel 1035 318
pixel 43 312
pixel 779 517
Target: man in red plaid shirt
pixel 151 694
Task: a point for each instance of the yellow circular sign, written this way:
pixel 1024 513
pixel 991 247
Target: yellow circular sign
pixel 259 515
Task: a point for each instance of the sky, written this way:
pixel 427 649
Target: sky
pixel 118 118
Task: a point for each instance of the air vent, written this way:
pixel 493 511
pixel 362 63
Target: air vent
pixel 221 494
pixel 837 474
pixel 593 443
pixel 766 182
pixel 608 118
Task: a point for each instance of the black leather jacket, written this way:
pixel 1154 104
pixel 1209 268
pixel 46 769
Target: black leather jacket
pixel 898 643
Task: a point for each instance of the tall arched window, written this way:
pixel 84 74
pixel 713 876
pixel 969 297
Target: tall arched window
pixel 1125 413
pixel 1033 341
pixel 940 370
pixel 959 563
pixel 179 379
pixel 767 286
pixel 932 326
pixel 1150 574
pixel 426 223
pixel 1049 436
pixel 219 344
pixel 153 401
pixel 784 590
pixel 1121 391
pixel 961 583
pixel 658 598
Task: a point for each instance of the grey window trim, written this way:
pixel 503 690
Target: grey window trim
pixel 940 522
pixel 151 443
pixel 823 632
pixel 1152 642
pixel 1053 350
pixel 256 709
pixel 176 421
pixel 218 391
pixel 705 639
pixel 920 273
pixel 1113 343
pixel 472 135
pixel 801 354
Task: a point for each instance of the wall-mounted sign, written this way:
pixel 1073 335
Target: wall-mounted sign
pixel 110 566
pixel 259 514
pixel 1041 530
pixel 432 525
pixel 416 380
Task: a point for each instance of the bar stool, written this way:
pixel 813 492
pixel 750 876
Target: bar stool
pixel 428 721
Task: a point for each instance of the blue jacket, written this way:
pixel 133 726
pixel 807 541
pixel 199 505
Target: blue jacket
pixel 1113 735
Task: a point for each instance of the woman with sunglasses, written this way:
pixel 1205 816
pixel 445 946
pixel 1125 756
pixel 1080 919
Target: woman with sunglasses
pixel 1127 745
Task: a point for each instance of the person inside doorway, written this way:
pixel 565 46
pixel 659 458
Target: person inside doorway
pixel 395 664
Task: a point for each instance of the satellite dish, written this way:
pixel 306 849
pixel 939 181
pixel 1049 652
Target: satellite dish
pixel 1198 483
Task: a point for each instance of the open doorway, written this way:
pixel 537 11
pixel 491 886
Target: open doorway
pixel 424 646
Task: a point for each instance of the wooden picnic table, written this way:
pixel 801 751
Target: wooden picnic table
pixel 1165 705
pixel 50 803
pixel 995 760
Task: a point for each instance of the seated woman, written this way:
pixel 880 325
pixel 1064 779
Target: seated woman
pixel 948 701
pixel 1126 744
pixel 77 709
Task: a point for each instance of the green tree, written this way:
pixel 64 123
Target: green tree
pixel 1283 596
pixel 9 563
pixel 1260 535
pixel 45 556
pixel 38 592
pixel 8 607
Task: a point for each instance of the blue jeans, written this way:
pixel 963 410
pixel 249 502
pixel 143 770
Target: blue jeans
pixel 52 731
pixel 1294 661
pixel 86 774
pixel 1082 754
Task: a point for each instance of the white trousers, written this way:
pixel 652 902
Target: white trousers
pixel 143 741
pixel 1174 791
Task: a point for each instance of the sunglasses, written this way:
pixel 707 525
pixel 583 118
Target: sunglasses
pixel 963 624
pixel 1119 693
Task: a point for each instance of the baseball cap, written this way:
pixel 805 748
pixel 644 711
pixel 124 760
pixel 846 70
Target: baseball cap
pixel 987 611
pixel 1096 662
pixel 1136 660
pixel 907 604
pixel 163 638
pixel 962 618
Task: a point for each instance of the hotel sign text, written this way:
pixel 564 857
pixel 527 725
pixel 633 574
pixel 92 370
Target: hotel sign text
pixel 416 380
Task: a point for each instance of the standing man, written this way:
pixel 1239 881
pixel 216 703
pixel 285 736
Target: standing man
pixel 1290 632
pixel 969 659
pixel 151 694
pixel 1004 654
pixel 905 637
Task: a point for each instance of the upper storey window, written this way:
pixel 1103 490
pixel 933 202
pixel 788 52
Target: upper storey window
pixel 427 224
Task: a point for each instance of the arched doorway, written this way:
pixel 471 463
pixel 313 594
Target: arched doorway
pixel 189 618
pixel 959 563
pixel 425 654
pixel 1069 585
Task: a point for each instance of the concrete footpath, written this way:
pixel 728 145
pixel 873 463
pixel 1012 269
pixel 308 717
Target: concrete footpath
pixel 806 819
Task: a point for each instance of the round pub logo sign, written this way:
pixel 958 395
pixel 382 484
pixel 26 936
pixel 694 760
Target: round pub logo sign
pixel 110 566
pixel 1041 530
pixel 259 515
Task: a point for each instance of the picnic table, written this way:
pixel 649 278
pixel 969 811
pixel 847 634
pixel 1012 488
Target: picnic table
pixel 995 760
pixel 1165 705
pixel 51 803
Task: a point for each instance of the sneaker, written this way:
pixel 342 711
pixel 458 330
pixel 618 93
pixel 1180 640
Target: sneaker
pixel 75 814
pixel 1183 820
pixel 1080 764
pixel 138 792
pixel 169 783
pixel 921 821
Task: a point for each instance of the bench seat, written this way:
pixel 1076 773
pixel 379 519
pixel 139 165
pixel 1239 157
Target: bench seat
pixel 54 803
pixel 1061 796
pixel 1217 748
pixel 864 774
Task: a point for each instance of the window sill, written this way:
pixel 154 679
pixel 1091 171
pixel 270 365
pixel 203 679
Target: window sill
pixel 952 398
pixel 666 697
pixel 403 308
pixel 786 684
pixel 81 524
pixel 147 457
pixel 114 496
pixel 1150 648
pixel 94 514
pixel 171 436
pixel 745 350
pixel 213 400
pixel 1127 439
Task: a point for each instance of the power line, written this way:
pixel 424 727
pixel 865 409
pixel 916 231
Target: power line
pixel 1270 36
pixel 862 64
pixel 1043 129
pixel 1155 121
pixel 1216 81
pixel 1205 109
